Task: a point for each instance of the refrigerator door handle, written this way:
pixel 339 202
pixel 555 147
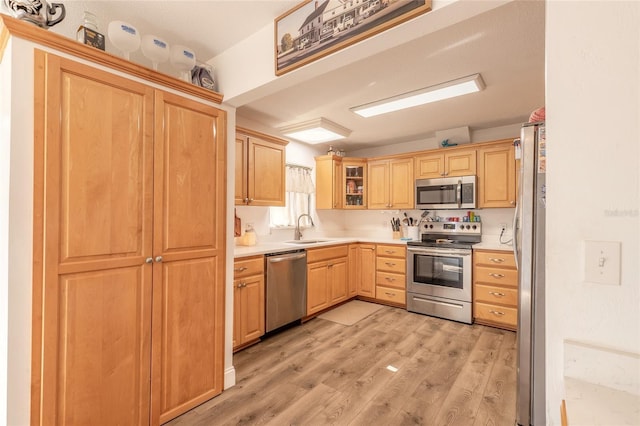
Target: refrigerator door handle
pixel 515 229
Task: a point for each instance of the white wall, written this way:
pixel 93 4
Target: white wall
pixel 593 115
pixel 5 154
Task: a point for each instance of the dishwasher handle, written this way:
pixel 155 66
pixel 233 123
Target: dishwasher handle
pixel 288 257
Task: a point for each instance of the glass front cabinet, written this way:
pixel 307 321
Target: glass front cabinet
pixel 354 181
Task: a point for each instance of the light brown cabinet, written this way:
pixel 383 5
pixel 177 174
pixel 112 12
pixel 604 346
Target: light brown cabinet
pixel 259 169
pixel 390 276
pixel 132 242
pixel 457 162
pixel 354 182
pixel 327 277
pixel 391 183
pixel 362 270
pixel 248 301
pixel 329 182
pixel 495 289
pixel 497 175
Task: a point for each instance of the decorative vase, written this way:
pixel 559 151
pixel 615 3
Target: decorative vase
pixel 37 12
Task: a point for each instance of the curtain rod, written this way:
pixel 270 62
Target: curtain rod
pixel 298 166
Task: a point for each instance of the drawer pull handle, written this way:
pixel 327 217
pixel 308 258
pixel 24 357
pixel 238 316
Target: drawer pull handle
pixel 389 264
pixel 389 279
pixel 241 269
pixel 389 294
pixel 390 251
pixel 496 312
pixel 496 259
pixel 496 275
pixel 495 293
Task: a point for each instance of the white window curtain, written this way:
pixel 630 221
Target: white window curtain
pixel 299 187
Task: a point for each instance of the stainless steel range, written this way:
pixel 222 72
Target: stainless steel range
pixel 439 270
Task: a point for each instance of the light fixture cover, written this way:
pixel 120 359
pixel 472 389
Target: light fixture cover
pixel 316 131
pixel 449 89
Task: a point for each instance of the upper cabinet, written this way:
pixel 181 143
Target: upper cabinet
pixel 354 182
pixel 329 182
pixel 259 169
pixel 497 175
pixel 391 183
pixel 458 162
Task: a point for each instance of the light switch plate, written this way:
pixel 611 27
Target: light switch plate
pixel 602 262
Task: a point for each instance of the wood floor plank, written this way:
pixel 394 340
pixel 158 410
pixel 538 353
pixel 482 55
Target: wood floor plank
pixel 324 373
pixel 464 397
pixel 498 406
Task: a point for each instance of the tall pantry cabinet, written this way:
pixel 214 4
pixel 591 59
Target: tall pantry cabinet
pixel 129 248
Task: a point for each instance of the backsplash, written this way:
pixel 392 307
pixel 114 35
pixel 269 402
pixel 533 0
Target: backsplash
pixel 365 223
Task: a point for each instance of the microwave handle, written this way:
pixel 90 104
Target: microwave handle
pixel 459 193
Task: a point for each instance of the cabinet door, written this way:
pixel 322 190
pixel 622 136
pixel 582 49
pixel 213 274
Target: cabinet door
pixel 92 288
pixel 367 284
pixel 189 251
pixel 338 280
pixel 324 182
pixel 237 313
pixel 429 166
pixel 241 169
pixel 460 163
pixel 497 176
pixel 266 174
pixel 354 178
pixel 354 269
pixel 338 189
pixel 317 290
pixel 401 184
pixel 252 308
pixel 378 184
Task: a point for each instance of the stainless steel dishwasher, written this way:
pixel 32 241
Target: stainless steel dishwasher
pixel 286 288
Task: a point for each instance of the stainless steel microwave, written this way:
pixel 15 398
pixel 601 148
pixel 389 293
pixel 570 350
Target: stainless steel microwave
pixel 446 193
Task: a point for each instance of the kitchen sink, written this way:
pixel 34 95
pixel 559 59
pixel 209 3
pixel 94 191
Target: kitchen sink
pixel 303 242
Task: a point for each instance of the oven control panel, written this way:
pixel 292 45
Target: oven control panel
pixel 471 228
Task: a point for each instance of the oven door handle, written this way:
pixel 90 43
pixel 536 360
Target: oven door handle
pixel 439 252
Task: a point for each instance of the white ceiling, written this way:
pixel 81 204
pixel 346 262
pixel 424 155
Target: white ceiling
pixel 504 45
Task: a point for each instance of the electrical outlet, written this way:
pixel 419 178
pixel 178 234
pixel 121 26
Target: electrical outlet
pixel 503 227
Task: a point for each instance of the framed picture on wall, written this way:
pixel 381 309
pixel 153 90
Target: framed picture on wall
pixel 317 28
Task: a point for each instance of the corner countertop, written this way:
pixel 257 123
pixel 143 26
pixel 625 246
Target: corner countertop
pixel 488 243
pixel 492 245
pixel 276 247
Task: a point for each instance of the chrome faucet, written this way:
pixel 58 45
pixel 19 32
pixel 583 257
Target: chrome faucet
pixel 298 233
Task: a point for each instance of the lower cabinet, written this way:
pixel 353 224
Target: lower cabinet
pixel 362 270
pixel 248 301
pixel 495 289
pixel 390 274
pixel 327 277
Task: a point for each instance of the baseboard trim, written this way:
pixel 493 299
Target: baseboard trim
pixel 229 377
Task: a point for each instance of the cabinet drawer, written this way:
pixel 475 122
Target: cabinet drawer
pixel 499 295
pixel 496 314
pixel 388 279
pixel 390 251
pixel 390 264
pixel 488 275
pixel 391 295
pixel 319 254
pixel 247 267
pixel 503 259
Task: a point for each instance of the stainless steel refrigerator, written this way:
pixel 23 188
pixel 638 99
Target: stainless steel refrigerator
pixel 529 248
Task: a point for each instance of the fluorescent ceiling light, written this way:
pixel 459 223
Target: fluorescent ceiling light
pixel 450 89
pixel 316 131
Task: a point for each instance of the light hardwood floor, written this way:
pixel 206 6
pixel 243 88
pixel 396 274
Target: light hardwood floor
pixel 324 373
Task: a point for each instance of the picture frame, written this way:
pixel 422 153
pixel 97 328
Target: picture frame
pixel 316 28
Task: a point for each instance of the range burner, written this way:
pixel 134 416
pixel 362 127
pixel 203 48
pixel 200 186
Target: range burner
pixel 449 235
